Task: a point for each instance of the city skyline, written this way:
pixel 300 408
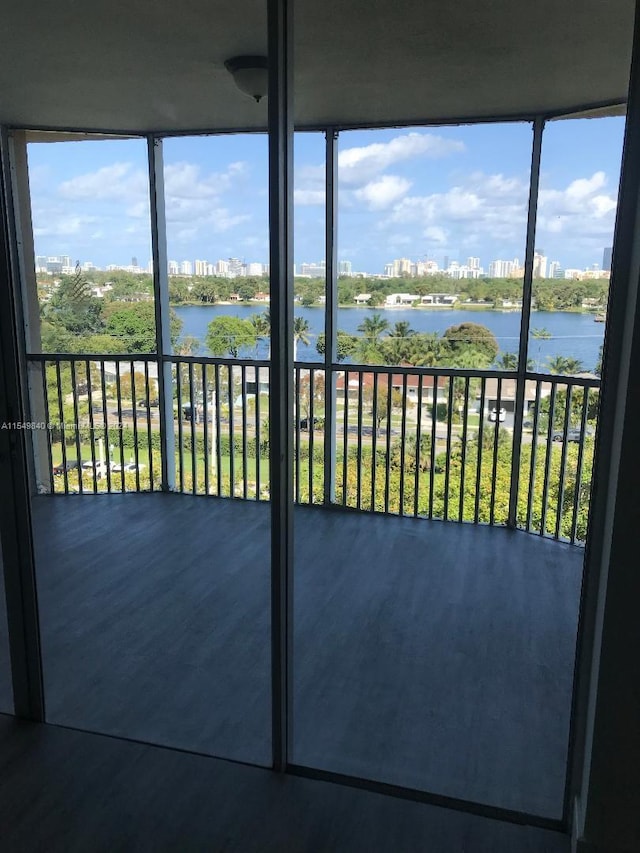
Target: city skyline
pixel 543 267
pixel 453 192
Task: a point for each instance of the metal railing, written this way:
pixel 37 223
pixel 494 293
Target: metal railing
pixel 425 442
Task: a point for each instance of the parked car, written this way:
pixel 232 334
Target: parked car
pixel 69 465
pixel 573 434
pixel 495 415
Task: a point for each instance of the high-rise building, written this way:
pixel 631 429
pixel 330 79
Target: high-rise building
pixel 606 259
pixel 236 268
pixel 539 264
pixel 402 267
pixel 555 270
pixel 186 268
pixel 344 267
pixel 254 269
pixel 174 268
pixel 134 261
pixel 313 270
pixel 200 267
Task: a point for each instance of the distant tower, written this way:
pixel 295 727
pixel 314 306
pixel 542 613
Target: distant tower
pixel 134 261
pixel 606 259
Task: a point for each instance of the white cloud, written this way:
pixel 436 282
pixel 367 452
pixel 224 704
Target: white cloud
pixel 308 197
pixel 383 192
pixel 186 180
pixel 583 212
pixel 490 206
pixel 436 235
pixel 362 164
pixel 114 182
pixel 60 225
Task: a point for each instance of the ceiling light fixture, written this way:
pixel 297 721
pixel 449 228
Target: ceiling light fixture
pixel 250 75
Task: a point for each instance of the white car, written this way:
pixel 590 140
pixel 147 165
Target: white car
pixel 495 415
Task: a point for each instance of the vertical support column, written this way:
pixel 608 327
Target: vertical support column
pixel 21 248
pixel 534 183
pixel 605 735
pixel 331 313
pixel 161 302
pixel 15 520
pixel 280 42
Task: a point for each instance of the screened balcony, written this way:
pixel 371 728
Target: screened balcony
pixel 369 567
pixel 438 530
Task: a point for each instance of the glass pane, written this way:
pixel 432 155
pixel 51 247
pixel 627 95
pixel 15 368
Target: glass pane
pixel 418 643
pixel 92 245
pixel 217 243
pixel 580 171
pixel 89 291
pixel 145 594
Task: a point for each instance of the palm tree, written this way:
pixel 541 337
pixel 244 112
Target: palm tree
pixel 372 328
pixel 402 329
pixel 428 350
pixel 507 361
pixel 262 327
pixel 300 333
pixel 398 346
pixel 540 334
pixel 566 366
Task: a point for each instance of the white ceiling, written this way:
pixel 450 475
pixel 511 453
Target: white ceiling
pixel 142 65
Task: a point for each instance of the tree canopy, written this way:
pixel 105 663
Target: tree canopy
pixel 228 335
pixel 465 336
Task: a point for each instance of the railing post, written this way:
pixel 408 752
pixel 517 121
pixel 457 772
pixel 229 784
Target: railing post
pixel 331 313
pixel 161 304
pixel 280 52
pixel 521 380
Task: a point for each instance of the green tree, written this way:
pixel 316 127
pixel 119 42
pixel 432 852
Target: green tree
pixel 564 365
pixel 134 325
pixel 346 344
pixel 539 334
pixel 72 308
pixel 507 361
pixel 369 348
pixel 228 334
pixel 474 336
pixel 261 327
pixel 428 350
pixel 300 334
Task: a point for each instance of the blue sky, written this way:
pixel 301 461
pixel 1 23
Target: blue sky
pixel 416 193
